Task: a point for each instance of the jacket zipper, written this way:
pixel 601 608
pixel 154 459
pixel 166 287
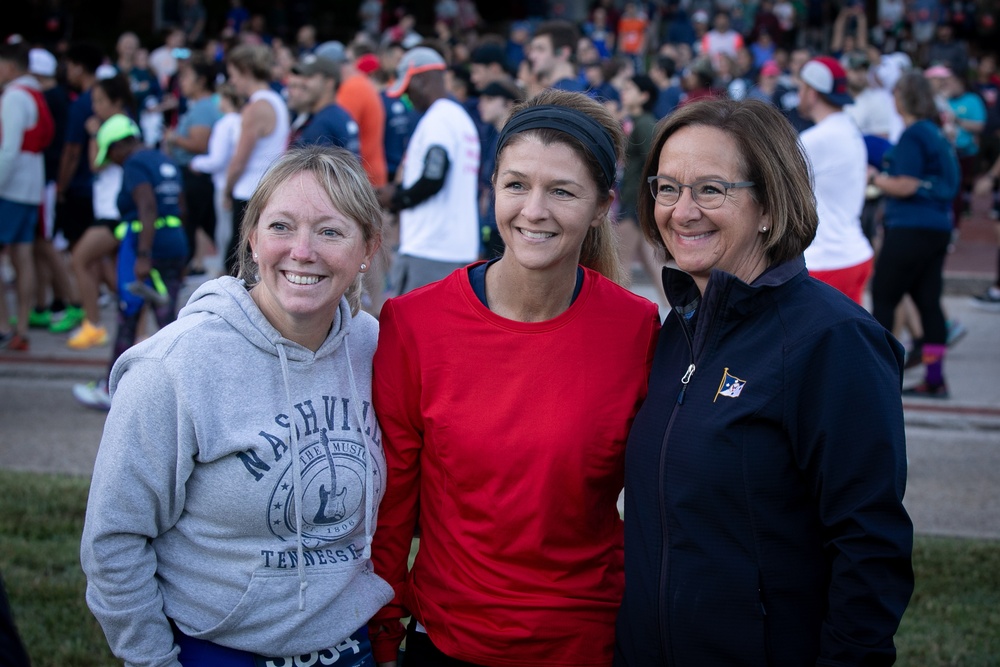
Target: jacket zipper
pixel 661 608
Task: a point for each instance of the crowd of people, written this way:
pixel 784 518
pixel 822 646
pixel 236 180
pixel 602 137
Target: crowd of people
pixel 421 248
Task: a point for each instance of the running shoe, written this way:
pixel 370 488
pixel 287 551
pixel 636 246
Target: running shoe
pixel 18 343
pixel 70 320
pixel 40 319
pixel 6 338
pixel 988 300
pixel 88 336
pixel 955 332
pixel 93 395
pixel 927 390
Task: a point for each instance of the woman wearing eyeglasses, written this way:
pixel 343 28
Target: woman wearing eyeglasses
pixel 764 473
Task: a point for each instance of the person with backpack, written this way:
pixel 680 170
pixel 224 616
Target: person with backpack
pixel 27 128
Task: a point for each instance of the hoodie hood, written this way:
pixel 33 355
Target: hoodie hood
pixel 229 298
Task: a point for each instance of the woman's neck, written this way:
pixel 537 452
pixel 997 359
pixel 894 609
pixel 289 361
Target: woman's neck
pixel 526 295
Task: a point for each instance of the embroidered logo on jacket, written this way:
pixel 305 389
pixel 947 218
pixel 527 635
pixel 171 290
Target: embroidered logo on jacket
pixel 730 387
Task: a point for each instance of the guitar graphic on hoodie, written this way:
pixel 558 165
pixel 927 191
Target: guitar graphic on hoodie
pixel 332 499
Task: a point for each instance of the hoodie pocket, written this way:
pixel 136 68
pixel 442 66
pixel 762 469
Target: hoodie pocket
pixel 268 621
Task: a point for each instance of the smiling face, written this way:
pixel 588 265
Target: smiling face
pixel 546 202
pixel 308 254
pixel 727 238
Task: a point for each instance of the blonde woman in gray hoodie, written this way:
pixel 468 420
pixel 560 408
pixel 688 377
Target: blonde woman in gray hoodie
pixel 237 483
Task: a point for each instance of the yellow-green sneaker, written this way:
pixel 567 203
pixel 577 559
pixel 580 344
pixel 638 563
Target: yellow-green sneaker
pixel 88 336
pixel 71 318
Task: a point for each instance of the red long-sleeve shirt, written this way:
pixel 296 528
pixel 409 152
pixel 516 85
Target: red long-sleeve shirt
pixel 510 437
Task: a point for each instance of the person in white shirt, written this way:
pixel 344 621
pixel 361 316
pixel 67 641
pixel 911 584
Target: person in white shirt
pixel 840 255
pixel 873 108
pixel 222 143
pixel 436 200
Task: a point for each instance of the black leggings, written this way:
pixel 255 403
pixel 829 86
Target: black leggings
pixel 421 652
pixel 912 262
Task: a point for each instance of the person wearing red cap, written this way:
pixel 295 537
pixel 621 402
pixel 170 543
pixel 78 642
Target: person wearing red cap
pixel 840 255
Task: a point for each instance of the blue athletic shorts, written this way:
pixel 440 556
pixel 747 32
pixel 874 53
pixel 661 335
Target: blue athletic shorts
pixel 17 222
pixel 355 651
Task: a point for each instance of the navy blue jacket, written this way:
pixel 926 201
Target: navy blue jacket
pixel 764 480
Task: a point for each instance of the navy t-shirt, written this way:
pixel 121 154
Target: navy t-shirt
pixel 923 152
pixel 82 184
pixel 400 120
pixel 331 126
pixel 154 168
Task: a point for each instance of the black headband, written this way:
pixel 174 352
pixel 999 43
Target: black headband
pixel 574 123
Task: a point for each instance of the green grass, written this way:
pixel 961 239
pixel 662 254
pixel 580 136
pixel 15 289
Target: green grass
pixel 41 520
pixel 953 618
pixel 954 614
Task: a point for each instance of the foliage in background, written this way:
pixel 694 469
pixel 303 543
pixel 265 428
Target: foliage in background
pixel 953 618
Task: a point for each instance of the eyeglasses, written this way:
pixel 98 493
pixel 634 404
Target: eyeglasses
pixel 707 193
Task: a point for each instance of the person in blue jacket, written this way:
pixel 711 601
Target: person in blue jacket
pixel 764 473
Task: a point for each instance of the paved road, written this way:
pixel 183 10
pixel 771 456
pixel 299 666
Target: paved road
pixel 953 487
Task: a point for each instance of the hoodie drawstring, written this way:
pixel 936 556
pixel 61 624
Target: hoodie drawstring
pixel 293 441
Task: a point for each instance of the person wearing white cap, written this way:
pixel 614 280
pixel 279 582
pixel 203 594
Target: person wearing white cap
pixel 437 200
pixel 54 279
pixel 840 255
pixel 27 130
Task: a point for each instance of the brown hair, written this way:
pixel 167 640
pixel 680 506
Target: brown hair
pixel 343 179
pixel 916 97
pixel 769 154
pixel 599 250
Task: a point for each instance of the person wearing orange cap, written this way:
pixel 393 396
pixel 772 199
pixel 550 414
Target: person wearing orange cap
pixel 437 198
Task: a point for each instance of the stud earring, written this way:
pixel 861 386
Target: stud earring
pixel 763 230
pixel 364 266
pixel 255 256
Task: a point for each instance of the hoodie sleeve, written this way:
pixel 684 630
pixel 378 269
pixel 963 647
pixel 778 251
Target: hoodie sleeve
pixel 849 441
pixel 396 394
pixel 137 493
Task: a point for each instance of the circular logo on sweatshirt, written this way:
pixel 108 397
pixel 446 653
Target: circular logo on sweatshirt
pixel 333 488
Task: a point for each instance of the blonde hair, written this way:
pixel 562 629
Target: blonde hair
pixel 253 59
pixel 341 176
pixel 599 251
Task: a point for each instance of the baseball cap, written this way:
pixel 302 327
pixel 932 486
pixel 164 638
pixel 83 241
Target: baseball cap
pixel 938 72
pixel 828 78
pixel 106 71
pixel 416 61
pixel 700 16
pixel 770 68
pixel 114 129
pixel 367 63
pixel 507 91
pixel 41 62
pixel 488 53
pixel 333 51
pixel 311 64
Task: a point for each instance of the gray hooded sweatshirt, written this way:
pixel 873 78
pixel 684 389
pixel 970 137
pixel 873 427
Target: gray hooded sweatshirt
pixel 236 487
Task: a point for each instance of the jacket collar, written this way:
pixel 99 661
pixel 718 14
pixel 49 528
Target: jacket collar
pixel 683 294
